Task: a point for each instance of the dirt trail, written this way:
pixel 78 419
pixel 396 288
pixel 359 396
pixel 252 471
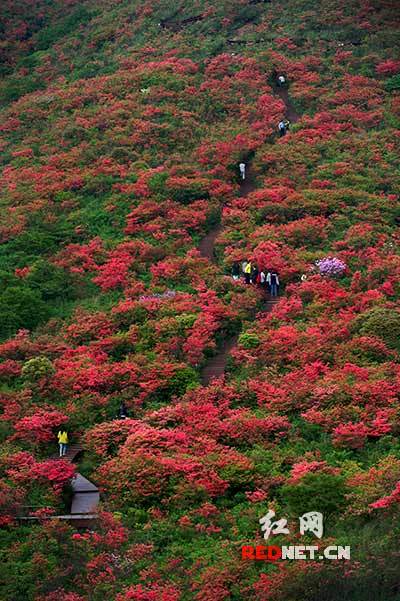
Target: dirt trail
pixel 207 244
pixel 216 366
pixel 291 112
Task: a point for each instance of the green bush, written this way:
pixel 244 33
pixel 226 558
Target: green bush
pixel 183 380
pixel 381 322
pixel 21 307
pixel 190 193
pixel 49 35
pixel 14 88
pixel 249 340
pixel 51 281
pixel 315 492
pixel 393 83
pixel 37 368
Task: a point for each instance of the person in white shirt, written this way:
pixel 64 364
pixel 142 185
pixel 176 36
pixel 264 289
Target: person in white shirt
pixel 282 128
pixel 242 169
pixel 281 80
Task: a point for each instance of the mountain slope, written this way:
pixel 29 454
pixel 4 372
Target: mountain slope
pixel 121 129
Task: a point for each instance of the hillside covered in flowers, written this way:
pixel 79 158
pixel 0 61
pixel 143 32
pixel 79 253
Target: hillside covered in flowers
pixel 122 125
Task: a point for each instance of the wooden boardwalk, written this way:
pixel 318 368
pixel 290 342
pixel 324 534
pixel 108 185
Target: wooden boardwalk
pixel 73 450
pixel 85 497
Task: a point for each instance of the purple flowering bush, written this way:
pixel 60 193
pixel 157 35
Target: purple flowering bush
pixel 331 267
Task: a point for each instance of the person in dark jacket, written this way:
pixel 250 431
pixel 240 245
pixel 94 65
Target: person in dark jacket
pixel 282 128
pixel 236 270
pixel 123 411
pixel 273 282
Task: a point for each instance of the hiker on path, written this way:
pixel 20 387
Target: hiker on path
pixel 262 278
pixel 247 273
pixel 235 271
pixel 254 274
pixel 282 128
pixel 123 411
pixel 62 437
pixel 287 124
pixel 242 169
pixel 281 80
pixel 244 264
pixel 273 281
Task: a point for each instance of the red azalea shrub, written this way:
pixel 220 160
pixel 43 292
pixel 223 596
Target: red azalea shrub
pixel 150 592
pixel 350 435
pixel 388 67
pixel 39 427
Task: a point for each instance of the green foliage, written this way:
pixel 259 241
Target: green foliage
pixel 22 576
pixel 37 368
pixel 315 492
pixel 53 282
pixel 372 544
pixel 183 380
pixel 249 340
pixel 393 83
pixel 189 193
pixel 13 88
pixel 157 182
pixel 36 241
pixel 21 307
pixel 51 34
pixel 381 322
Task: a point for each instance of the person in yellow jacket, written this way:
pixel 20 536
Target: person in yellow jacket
pixel 247 272
pixel 63 442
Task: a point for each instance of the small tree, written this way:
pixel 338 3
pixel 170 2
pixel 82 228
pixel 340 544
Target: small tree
pixel 380 322
pixel 37 368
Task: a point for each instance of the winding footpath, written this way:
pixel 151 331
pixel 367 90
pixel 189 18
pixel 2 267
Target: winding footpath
pixel 85 494
pixel 216 366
